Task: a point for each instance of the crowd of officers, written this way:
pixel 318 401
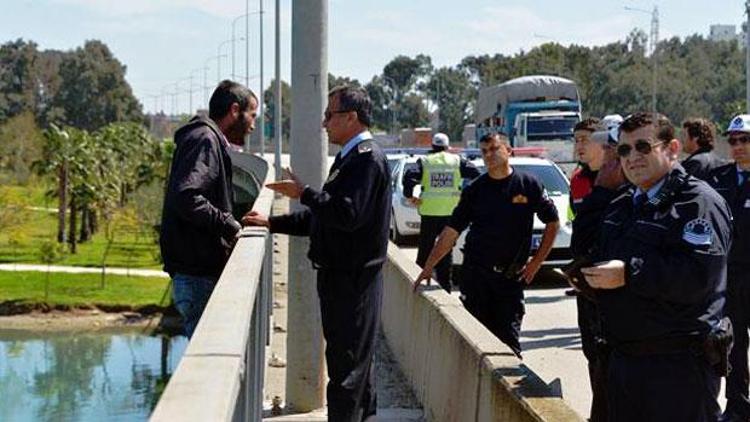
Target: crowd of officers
pixel 661 257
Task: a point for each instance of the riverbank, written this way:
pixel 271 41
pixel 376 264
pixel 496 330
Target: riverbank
pixel 76 320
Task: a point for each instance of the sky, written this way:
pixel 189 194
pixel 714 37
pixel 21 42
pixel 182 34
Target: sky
pixel 165 42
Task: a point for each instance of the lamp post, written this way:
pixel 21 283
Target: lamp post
pixel 234 22
pixel 218 58
pixel 205 77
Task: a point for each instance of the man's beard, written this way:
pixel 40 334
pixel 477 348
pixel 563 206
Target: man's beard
pixel 236 132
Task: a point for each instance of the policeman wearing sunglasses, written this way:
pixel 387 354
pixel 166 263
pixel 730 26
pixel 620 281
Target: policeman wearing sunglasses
pixel 660 281
pixel 731 181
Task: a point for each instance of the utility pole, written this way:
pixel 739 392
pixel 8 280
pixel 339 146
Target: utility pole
pixel 654 57
pixel 309 159
pixel 261 112
pixel 247 65
pixel 747 56
pixel 277 127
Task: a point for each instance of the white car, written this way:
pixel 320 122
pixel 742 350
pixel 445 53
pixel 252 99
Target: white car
pixel 558 188
pixel 404 216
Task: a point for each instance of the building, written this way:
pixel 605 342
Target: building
pixel 722 33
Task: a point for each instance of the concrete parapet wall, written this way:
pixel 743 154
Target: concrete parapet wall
pixel 459 370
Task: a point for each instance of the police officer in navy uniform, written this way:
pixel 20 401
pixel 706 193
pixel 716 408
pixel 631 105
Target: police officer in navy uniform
pixel 698 141
pixel 731 181
pixel 441 175
pixel 347 221
pixel 499 208
pixel 661 281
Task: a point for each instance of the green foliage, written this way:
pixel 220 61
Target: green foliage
pixel 286 107
pixel 93 91
pixel 81 289
pixel 20 145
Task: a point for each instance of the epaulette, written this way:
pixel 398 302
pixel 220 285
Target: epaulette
pixel 364 146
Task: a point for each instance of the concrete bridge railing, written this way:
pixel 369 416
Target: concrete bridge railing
pixel 220 376
pixel 459 370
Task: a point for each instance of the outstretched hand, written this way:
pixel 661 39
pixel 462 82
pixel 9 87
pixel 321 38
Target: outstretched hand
pixel 290 186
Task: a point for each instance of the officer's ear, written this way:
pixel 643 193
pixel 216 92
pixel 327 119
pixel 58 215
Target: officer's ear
pixel 674 147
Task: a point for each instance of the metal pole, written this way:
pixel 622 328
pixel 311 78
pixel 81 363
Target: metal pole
pixel 309 159
pixel 747 56
pixel 261 112
pixel 655 41
pixel 247 65
pixel 277 124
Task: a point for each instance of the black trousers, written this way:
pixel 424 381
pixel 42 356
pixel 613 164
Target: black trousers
pixel 495 301
pixel 350 310
pixel 429 230
pixel 668 387
pixel 738 310
pixel 589 323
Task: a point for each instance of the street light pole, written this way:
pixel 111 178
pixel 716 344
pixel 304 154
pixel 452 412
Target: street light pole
pixel 260 94
pixel 218 59
pixel 393 102
pixel 747 56
pixel 277 94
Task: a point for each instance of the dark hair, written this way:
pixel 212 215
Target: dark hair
pixel 487 137
pixel 664 128
pixel 356 99
pixel 702 130
pixel 589 124
pixel 226 94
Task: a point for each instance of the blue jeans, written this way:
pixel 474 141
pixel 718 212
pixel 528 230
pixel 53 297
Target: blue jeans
pixel 190 294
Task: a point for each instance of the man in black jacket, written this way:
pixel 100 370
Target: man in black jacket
pixel 732 182
pixel 197 228
pixel 347 222
pixel 698 141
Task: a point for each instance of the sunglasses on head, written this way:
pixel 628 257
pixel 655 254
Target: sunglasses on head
pixel 642 145
pixel 734 140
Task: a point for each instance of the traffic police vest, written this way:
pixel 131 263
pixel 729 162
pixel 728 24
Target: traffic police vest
pixel 441 184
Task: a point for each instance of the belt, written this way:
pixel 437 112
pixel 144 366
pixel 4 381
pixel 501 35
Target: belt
pixel 693 343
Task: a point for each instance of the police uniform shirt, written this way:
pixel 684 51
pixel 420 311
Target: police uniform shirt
pixel 348 219
pixel 674 248
pixel 735 189
pixel 500 217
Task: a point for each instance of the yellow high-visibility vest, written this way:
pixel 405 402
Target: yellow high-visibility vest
pixel 441 183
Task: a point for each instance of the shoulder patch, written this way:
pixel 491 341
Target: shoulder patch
pixel 364 146
pixel 520 199
pixel 697 232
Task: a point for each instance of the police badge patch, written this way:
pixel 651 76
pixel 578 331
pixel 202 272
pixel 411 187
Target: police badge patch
pixel 697 232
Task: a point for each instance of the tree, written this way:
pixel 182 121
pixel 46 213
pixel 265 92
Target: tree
pixel 286 107
pixel 19 79
pixel 57 152
pixel 93 90
pixel 20 145
pixel 452 92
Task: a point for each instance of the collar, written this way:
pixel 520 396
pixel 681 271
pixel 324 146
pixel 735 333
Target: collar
pixel 350 144
pixel 701 150
pixel 653 190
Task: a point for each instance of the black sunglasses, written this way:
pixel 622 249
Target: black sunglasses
pixel 734 140
pixel 642 145
pixel 329 113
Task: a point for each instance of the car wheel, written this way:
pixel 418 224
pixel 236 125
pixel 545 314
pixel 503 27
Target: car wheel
pixel 396 237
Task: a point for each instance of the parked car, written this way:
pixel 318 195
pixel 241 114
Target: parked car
pixel 558 188
pixel 404 216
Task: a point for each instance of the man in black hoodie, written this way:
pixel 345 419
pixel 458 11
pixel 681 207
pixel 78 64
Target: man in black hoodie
pixel 197 228
pixel 698 140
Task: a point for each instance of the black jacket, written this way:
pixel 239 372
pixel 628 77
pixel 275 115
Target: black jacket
pixel 197 226
pixel 348 220
pixel 702 163
pixel 675 253
pixel 725 181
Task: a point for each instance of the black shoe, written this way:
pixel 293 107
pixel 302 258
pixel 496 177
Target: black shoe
pixel 571 292
pixel 729 416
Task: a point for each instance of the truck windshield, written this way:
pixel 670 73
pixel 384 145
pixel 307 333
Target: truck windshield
pixel 550 128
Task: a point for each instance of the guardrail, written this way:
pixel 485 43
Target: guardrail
pixel 220 376
pixel 459 370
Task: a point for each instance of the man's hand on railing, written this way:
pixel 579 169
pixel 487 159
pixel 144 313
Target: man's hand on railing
pixel 426 274
pixel 254 218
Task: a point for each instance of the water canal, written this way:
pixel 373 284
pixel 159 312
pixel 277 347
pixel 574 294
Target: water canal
pixel 85 376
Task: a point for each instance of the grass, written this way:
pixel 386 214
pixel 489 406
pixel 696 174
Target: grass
pixel 33 196
pixel 130 250
pixel 81 290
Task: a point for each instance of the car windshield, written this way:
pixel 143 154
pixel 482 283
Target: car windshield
pixel 544 128
pixel 552 180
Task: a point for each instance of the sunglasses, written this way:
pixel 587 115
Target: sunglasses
pixel 329 113
pixel 734 140
pixel 643 146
